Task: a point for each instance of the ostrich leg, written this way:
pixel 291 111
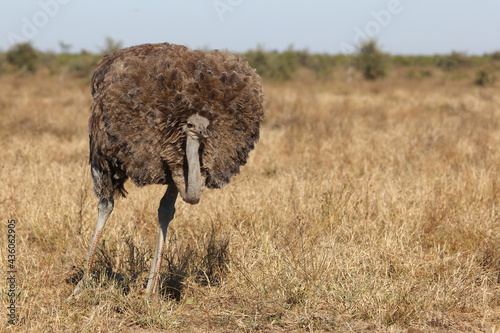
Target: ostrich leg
pixel 104 209
pixel 166 213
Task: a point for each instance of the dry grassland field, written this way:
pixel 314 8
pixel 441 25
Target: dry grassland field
pixel 366 206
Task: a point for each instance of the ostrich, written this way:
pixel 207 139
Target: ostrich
pixel 165 114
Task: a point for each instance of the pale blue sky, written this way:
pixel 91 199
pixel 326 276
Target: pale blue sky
pixel 401 26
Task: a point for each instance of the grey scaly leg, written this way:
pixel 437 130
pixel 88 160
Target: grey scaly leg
pixel 166 213
pixel 104 208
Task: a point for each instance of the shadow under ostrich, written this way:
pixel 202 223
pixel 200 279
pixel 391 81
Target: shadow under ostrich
pixel 165 114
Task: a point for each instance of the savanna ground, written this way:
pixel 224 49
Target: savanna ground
pixel 366 206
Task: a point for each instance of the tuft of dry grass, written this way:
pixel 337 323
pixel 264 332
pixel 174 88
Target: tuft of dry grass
pixel 366 206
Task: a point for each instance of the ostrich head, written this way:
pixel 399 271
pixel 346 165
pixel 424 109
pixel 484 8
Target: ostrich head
pixel 195 129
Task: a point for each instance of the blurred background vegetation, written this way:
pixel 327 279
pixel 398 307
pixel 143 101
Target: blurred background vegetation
pixel 370 63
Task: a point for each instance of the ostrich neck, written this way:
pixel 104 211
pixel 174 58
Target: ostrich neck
pixel 193 184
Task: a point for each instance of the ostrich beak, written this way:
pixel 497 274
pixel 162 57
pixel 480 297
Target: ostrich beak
pixel 203 133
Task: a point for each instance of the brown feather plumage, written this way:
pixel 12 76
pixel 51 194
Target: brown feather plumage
pixel 143 95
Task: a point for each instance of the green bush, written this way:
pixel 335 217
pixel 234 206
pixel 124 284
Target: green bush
pixel 399 60
pixel 23 56
pixel 485 78
pixel 495 56
pixel 49 60
pixel 275 65
pixel 321 65
pixel 111 45
pixel 3 63
pixel 83 64
pixel 413 60
pixel 372 62
pixel 454 61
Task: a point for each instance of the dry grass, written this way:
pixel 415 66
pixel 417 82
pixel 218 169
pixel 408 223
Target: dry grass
pixel 365 207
